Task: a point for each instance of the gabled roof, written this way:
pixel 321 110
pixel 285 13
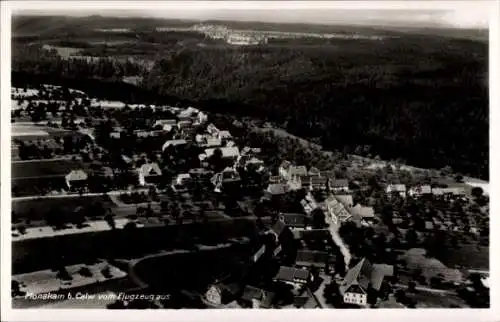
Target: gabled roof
pixel 313 234
pixel 165 122
pixel 338 183
pixel 305 179
pixel 293 219
pixel 358 275
pixel 336 208
pixel 150 169
pixel 212 128
pixel 188 112
pixel 317 180
pixel 290 274
pixel 379 271
pixel 211 141
pixel 311 256
pixel 330 174
pixel 253 293
pixel 365 274
pixel 300 170
pixel 452 190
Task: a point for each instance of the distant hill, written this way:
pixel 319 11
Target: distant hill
pixel 52 25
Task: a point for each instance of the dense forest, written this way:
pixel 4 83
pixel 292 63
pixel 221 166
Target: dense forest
pixel 422 99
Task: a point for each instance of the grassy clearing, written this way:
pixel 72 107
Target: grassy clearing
pixel 435 300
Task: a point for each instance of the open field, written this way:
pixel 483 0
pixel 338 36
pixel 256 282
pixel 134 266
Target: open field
pixel 36 209
pixel 26 132
pixel 30 254
pixel 436 300
pixel 468 255
pixel 43 168
pixel 31 132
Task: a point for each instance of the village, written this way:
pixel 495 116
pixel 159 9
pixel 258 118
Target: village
pixel 88 173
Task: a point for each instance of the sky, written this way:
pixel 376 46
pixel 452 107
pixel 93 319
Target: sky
pixel 454 14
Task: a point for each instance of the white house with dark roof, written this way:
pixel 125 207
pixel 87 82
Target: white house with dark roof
pixel 336 210
pixel 354 288
pixel 318 182
pixel 149 173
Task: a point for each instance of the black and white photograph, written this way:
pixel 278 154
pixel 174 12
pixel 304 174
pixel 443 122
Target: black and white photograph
pixel 246 155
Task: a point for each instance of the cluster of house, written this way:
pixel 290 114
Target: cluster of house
pixel 360 279
pixel 183 125
pixel 422 190
pixel 338 206
pixel 286 231
pixel 297 177
pixel 298 276
pixel 232 37
pixel 212 141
